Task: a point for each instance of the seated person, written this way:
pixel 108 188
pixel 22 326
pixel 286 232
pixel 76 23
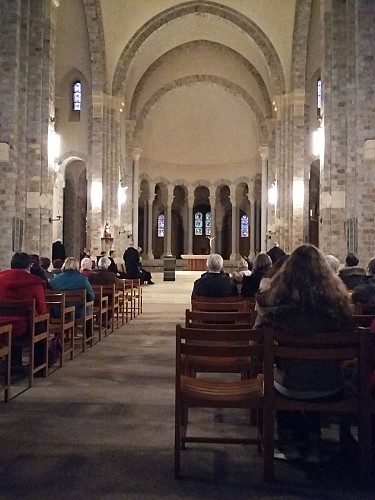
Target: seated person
pixel 86 266
pixel 305 297
pixel 56 266
pixel 72 279
pixel 214 283
pixel 102 254
pixel 145 275
pixel 265 282
pixel 17 283
pixel 44 264
pixel 36 270
pixel 333 263
pixel 365 293
pixel 132 261
pixel 102 276
pixel 250 284
pixel 275 252
pixel 351 274
pixel 241 271
pixel 113 266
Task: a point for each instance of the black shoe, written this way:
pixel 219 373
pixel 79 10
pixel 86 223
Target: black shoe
pixel 151 283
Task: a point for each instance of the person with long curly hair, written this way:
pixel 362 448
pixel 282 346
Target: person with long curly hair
pixel 305 297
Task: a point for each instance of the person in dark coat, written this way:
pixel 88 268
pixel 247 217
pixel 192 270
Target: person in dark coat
pixel 352 275
pixel 214 283
pixel 132 262
pixel 365 292
pixel 250 284
pixel 275 252
pixel 58 250
pixel 113 266
pixel 103 276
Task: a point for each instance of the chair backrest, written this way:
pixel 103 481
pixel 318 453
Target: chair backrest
pixel 217 304
pixel 56 301
pixel 18 308
pixel 216 343
pixel 221 319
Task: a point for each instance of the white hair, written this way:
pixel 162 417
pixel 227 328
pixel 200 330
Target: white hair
pixel 86 263
pixel 333 263
pixel 215 263
pixel 104 263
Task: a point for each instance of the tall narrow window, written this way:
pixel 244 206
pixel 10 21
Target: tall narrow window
pixel 208 224
pixel 77 96
pixel 244 226
pixel 161 226
pixel 319 101
pixel 198 223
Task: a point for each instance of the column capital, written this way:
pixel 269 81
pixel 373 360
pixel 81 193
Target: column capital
pixel 136 153
pixel 56 3
pixel 263 151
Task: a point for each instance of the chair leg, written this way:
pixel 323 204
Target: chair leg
pixel 268 438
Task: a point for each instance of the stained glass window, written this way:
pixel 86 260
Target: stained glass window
pixel 198 223
pixel 208 224
pixel 244 226
pixel 77 96
pixel 161 226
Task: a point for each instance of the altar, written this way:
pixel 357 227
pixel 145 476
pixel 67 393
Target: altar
pixel 196 262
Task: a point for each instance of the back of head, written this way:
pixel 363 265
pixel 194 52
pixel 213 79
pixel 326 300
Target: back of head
pixel 45 263
pixel 333 263
pixel 20 260
pixel 104 263
pixel 70 264
pixel 262 262
pixel 351 260
pixel 371 267
pixel 86 263
pixel 215 263
pixel 57 263
pixel 35 259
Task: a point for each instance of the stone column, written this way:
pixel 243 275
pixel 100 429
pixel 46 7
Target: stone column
pixel 136 154
pixel 150 201
pixel 233 255
pixel 168 221
pixel 190 227
pixel 213 218
pixel 263 150
pixel 252 221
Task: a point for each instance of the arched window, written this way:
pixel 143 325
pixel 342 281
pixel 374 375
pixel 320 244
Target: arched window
pixel 198 223
pixel 161 226
pixel 77 96
pixel 208 224
pixel 244 226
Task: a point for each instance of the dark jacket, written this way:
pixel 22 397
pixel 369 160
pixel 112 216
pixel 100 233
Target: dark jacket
pixel 275 253
pixel 131 259
pixel 365 293
pixel 214 285
pixel 113 266
pixel 58 251
pixel 250 284
pixel 102 277
pixel 300 375
pixel 352 276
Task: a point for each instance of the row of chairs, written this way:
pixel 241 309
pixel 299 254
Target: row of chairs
pixel 224 342
pixel 61 328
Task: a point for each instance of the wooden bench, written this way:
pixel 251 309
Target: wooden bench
pixel 100 309
pixel 136 288
pixel 125 299
pixel 217 304
pixel 113 303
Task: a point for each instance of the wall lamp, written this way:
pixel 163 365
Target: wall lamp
pixel 58 218
pixel 129 235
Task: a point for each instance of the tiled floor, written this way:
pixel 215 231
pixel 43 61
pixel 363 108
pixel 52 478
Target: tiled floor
pixel 102 427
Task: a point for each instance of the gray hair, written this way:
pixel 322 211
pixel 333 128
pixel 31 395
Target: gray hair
pixel 262 261
pixel 86 263
pixel 215 263
pixel 333 263
pixel 104 263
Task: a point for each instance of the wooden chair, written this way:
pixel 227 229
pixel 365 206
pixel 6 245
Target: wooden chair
pixel 63 325
pixel 113 303
pixel 217 304
pixel 335 347
pixel 85 322
pixel 130 296
pixel 100 309
pixel 5 352
pixel 137 294
pixel 125 299
pixel 37 331
pixel 223 319
pixel 192 392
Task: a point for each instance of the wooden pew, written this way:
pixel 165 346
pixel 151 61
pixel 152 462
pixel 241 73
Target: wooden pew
pixel 63 325
pixel 100 309
pixel 5 352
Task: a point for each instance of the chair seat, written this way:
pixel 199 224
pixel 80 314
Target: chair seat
pixel 223 394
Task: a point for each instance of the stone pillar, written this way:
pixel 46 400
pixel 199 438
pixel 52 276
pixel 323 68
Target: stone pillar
pixel 252 220
pixel 190 226
pixel 233 255
pixel 213 218
pixel 136 153
pixel 150 201
pixel 168 221
pixel 263 150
